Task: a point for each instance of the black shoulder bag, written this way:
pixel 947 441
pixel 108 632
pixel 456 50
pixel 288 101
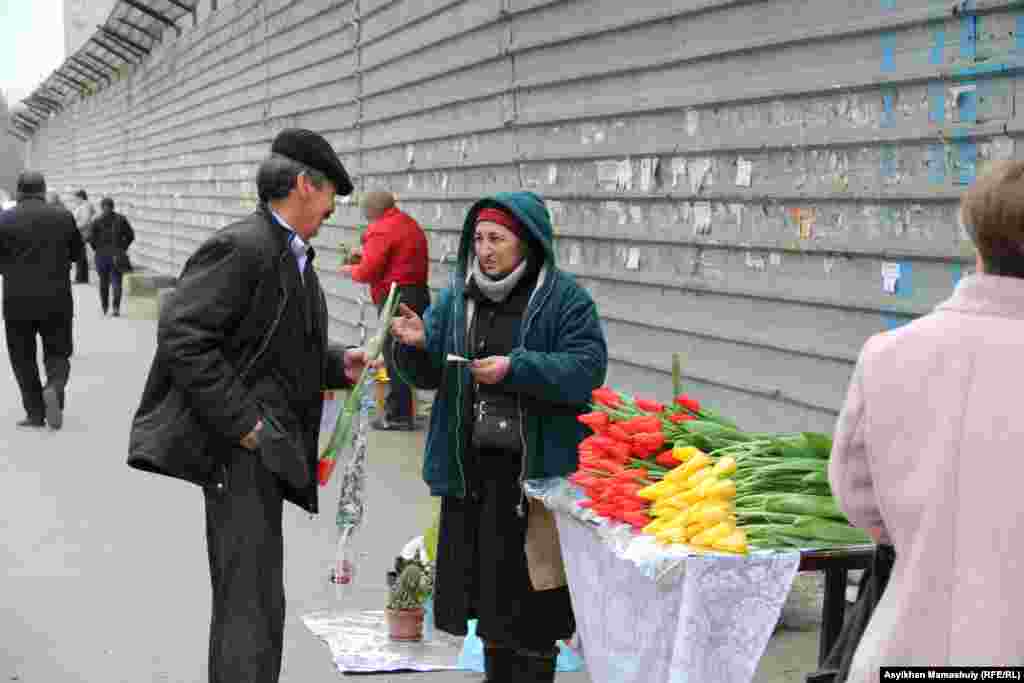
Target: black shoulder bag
pixel 496 417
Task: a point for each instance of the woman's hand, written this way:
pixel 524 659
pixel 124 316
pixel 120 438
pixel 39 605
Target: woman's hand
pixel 407 327
pixel 490 370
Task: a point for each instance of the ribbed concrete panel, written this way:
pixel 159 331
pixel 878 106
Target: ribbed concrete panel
pixel 730 179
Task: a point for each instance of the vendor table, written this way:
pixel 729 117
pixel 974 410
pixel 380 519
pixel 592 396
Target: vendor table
pixel 836 564
pixel 646 612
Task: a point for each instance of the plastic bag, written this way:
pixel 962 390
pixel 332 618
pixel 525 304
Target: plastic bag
pixel 472 656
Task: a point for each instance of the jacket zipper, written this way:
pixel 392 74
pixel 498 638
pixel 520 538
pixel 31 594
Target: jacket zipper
pixel 521 508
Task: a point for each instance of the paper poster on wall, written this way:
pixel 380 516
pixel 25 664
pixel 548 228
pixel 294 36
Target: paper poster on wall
pixel 575 254
pixel 890 277
pixel 648 173
pixel 633 259
pixel 701 218
pixel 744 171
pixel 678 170
pixel 803 219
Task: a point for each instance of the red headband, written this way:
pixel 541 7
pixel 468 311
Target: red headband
pixel 502 218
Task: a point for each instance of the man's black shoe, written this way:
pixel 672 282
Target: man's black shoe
pixel 386 425
pixel 54 412
pixel 32 423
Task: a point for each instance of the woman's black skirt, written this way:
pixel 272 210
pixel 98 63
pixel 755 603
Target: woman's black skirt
pixel 481 565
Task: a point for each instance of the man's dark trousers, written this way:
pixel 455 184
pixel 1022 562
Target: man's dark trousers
pixel 244 542
pixel 398 404
pixel 82 269
pixel 55 332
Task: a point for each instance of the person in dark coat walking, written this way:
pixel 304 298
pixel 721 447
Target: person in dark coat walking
pixel 249 300
pixel 538 352
pixel 38 244
pixel 110 236
pixel 395 251
pixel 84 214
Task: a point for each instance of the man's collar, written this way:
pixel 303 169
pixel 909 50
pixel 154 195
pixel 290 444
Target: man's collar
pixel 293 237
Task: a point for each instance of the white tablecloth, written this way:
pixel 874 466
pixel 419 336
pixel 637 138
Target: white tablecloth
pixel 646 613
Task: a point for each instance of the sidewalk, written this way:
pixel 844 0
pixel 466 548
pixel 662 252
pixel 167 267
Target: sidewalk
pixel 106 574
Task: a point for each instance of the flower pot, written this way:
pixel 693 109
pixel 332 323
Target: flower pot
pixel 405 624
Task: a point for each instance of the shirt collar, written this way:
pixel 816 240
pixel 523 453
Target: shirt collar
pixel 295 243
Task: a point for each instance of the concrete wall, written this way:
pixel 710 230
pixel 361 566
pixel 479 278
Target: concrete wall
pixel 12 154
pixel 731 179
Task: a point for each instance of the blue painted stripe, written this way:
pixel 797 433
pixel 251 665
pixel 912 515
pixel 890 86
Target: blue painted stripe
pixel 968 162
pixel 937 164
pixel 969 34
pixel 936 55
pixel 957 271
pixel 888 164
pixel 936 102
pixel 888 119
pixel 967 105
pixel 893 322
pixel 905 285
pixel 888 52
pixel 1019 34
pixel 888 4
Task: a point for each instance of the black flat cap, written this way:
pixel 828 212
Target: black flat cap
pixel 31 182
pixel 306 147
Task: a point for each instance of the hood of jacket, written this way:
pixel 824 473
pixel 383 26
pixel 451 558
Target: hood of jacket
pixel 528 207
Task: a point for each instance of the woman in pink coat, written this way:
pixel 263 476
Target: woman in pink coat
pixel 929 456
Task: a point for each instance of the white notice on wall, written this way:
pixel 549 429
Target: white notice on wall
pixel 552 174
pixel 775 258
pixel 744 171
pixel 636 214
pixel 625 178
pixel 575 254
pixel 410 154
pixel 633 260
pixel 444 182
pixel 701 218
pixel 648 172
pixel 699 171
pixel 890 277
pixel 678 170
pixel 692 122
pixel 755 261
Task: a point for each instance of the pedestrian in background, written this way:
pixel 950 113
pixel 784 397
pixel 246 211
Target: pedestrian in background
pixel 84 213
pixel 538 351
pixel 38 244
pixel 110 236
pixel 53 199
pixel 927 457
pixel 394 250
pixel 249 301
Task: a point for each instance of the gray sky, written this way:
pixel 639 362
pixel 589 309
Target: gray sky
pixel 31 44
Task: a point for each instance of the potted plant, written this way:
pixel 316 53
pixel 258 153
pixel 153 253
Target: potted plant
pixel 406 596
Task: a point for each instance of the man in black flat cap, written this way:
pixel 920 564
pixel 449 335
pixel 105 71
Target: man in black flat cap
pixel 244 337
pixel 38 244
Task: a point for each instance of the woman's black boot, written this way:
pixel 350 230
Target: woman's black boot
pixel 537 666
pixel 501 665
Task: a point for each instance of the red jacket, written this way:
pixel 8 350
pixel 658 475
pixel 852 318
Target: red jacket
pixel 394 250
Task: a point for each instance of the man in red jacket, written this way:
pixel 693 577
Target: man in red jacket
pixel 394 250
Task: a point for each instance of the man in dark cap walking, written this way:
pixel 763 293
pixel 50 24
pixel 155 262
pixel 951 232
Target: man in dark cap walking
pixel 244 337
pixel 38 244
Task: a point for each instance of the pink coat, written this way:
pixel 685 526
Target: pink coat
pixel 930 447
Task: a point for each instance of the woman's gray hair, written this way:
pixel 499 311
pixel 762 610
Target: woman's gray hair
pixel 278 174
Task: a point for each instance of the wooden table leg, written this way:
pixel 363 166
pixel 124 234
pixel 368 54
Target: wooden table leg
pixel 832 611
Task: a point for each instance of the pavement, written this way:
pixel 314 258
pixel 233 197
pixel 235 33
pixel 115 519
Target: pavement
pixel 106 573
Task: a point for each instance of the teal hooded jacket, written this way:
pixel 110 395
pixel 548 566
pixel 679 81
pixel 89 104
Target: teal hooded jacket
pixel 560 357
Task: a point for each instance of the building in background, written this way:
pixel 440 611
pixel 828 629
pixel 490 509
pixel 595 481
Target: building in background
pixel 80 20
pixel 12 153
